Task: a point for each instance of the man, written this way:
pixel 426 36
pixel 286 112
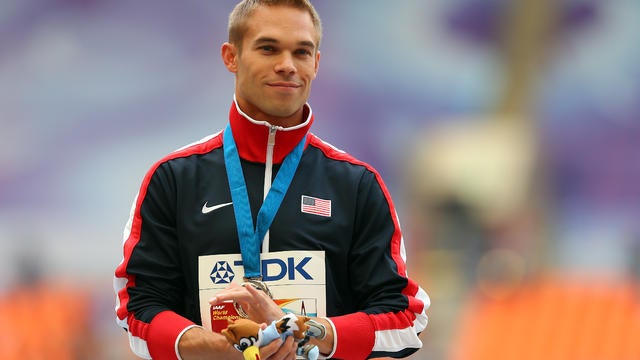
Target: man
pixel 268 200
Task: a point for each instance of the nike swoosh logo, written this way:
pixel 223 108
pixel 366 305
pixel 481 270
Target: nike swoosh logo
pixel 207 209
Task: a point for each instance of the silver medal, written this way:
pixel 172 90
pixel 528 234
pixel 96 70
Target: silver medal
pixel 258 284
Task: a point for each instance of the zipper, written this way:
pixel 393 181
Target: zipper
pixel 268 174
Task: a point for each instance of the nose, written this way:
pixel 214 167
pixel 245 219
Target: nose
pixel 285 64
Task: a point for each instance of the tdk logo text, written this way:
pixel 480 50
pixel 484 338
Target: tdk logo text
pixel 278 269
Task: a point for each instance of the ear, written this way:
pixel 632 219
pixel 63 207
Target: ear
pixel 229 53
pixel 317 63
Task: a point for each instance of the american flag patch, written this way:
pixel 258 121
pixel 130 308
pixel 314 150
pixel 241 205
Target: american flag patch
pixel 313 205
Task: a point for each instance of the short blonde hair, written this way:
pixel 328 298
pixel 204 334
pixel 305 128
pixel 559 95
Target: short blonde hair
pixel 243 10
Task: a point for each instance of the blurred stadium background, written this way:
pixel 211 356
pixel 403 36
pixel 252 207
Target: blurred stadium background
pixel 508 132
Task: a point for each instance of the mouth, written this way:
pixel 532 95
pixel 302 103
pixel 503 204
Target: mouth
pixel 284 85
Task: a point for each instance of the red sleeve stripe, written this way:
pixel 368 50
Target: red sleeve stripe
pixel 123 281
pixel 393 332
pixel 354 336
pixel 389 333
pixel 397 241
pixel 166 325
pixel 391 321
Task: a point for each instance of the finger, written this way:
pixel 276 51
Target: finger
pixel 263 304
pixel 268 351
pixel 293 347
pixel 232 292
pixel 256 293
pixel 258 298
pixel 287 350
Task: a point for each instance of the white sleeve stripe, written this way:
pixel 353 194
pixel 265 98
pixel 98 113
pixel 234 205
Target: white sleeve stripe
pixel 129 224
pixel 420 323
pixel 120 283
pixel 396 340
pixel 139 346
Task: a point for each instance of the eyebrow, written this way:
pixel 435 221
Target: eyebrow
pixel 269 40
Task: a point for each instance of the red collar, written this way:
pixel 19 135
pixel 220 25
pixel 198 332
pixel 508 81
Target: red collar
pixel 251 136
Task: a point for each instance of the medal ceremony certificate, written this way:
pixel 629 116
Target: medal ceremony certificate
pixel 296 280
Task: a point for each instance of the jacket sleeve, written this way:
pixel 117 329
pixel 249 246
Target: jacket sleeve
pixel 148 281
pixel 392 306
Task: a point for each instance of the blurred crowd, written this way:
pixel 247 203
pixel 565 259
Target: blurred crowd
pixel 508 132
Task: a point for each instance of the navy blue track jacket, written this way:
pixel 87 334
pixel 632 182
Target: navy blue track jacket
pixel 375 308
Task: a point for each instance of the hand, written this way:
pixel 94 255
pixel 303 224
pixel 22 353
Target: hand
pixel 258 305
pixel 277 350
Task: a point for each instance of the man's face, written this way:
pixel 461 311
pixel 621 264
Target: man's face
pixel 276 65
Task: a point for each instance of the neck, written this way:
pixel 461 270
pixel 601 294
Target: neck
pixel 251 135
pixel 297 118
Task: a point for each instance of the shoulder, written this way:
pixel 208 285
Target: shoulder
pixel 334 153
pixel 347 166
pixel 339 156
pixel 186 155
pixel 202 146
pixel 199 147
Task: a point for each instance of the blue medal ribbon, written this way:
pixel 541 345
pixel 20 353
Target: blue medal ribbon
pixel 251 237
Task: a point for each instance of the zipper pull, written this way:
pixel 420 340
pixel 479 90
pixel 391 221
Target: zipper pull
pixel 272 135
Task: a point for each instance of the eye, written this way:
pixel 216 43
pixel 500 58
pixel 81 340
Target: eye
pixel 267 48
pixel 304 52
pixel 244 343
